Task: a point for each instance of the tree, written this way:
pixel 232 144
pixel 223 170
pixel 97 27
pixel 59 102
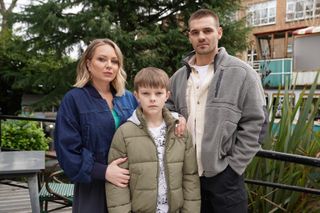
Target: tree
pixel 9 98
pixel 6 13
pixel 150 33
pixel 24 69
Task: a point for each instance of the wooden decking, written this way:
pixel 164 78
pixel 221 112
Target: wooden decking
pixel 16 200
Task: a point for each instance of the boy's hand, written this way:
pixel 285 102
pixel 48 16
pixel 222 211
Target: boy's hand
pixel 180 127
pixel 117 175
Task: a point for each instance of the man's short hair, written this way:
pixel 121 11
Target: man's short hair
pixel 201 13
pixel 151 77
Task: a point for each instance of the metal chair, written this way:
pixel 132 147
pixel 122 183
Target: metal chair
pixel 56 190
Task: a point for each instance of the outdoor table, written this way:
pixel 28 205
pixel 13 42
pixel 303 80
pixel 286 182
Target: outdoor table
pixel 24 164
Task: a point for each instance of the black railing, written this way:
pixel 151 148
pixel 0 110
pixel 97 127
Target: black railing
pixel 293 158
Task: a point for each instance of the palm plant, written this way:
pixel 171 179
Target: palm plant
pixel 293 133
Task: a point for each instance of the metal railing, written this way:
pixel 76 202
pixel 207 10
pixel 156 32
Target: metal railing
pixel 293 158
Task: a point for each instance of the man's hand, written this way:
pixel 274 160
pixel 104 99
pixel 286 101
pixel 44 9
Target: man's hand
pixel 180 126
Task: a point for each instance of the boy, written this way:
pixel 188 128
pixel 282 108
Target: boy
pixel 163 168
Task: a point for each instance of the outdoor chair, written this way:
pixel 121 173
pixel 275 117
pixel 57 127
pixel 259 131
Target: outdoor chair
pixel 56 189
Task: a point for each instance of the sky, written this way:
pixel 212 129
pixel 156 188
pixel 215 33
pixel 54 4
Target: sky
pixel 20 4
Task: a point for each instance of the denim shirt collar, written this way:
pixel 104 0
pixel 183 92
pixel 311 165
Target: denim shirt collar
pixel 94 93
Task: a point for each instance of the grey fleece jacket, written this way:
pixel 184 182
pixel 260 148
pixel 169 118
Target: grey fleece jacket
pixel 235 113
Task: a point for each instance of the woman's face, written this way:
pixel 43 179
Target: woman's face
pixel 104 64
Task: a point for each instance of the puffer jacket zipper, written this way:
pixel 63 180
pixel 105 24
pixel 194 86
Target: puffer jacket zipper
pixel 166 166
pixel 158 167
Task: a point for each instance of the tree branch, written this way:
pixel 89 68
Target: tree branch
pixel 12 5
pixel 2 7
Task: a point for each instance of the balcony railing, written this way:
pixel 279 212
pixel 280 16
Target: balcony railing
pixel 279 71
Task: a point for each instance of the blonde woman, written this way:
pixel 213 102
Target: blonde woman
pixel 87 119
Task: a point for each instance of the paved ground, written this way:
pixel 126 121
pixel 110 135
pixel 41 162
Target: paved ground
pixel 16 200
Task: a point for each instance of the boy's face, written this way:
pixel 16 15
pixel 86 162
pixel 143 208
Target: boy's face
pixel 152 100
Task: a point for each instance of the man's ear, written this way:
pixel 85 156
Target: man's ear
pixel 220 32
pixel 189 37
pixel 168 95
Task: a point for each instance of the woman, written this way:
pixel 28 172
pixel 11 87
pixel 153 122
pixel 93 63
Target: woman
pixel 86 122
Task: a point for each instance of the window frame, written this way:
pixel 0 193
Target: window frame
pixel 309 9
pixel 261 14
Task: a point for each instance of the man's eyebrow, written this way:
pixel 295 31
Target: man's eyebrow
pixel 207 27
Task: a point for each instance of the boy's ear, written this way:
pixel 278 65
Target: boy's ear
pixel 136 95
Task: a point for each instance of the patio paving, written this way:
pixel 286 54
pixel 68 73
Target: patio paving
pixel 16 200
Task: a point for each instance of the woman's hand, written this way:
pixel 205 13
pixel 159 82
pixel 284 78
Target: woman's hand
pixel 180 127
pixel 117 175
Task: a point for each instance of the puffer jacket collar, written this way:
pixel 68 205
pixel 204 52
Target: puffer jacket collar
pixel 138 118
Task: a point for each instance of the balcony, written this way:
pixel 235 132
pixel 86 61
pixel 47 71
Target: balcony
pixel 275 72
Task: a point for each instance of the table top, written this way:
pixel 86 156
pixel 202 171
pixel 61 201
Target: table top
pixel 21 162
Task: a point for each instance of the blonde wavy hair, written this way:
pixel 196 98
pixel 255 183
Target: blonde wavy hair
pixel 83 74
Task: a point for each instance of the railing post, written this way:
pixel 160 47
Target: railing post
pixel 0 134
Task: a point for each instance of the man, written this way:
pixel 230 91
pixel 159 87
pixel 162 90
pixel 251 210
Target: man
pixel 223 101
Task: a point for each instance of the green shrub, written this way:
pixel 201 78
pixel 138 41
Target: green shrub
pixel 23 135
pixel 288 135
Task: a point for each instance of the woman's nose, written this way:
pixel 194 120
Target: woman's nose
pixel 108 63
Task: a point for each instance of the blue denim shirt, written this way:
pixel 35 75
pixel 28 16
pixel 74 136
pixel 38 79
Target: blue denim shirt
pixel 84 130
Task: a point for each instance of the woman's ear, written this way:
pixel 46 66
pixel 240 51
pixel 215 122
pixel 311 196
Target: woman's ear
pixel 88 63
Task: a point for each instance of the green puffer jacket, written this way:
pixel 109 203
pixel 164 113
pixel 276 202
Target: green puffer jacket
pixel 132 140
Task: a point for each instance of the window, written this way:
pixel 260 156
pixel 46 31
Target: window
pixel 265 45
pixel 252 55
pixel 262 13
pixel 302 9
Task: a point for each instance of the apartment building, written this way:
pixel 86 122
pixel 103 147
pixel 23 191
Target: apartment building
pixel 276 43
pixel 274 21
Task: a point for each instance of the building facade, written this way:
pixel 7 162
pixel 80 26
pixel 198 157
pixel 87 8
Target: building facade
pixel 280 49
pixel 273 23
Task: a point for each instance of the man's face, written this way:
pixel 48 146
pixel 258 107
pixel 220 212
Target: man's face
pixel 204 35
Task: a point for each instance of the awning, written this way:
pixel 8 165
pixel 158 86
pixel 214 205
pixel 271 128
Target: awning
pixel 307 30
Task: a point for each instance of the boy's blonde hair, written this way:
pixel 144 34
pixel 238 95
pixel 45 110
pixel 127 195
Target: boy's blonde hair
pixel 83 74
pixel 151 77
